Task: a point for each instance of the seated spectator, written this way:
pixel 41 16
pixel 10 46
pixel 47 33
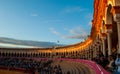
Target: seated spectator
pixel 117 62
pixel 104 62
pixel 110 67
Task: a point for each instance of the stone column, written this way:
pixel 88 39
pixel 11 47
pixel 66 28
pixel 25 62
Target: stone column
pixel 109 43
pixel 109 31
pixel 89 52
pixel 117 19
pixel 104 50
pixel 86 54
pixel 94 51
pixel 101 47
pixel 103 43
pixel 80 53
pixel 116 13
pixel 83 53
pixel 118 26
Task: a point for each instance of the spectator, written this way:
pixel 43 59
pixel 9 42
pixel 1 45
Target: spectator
pixel 110 67
pixel 117 62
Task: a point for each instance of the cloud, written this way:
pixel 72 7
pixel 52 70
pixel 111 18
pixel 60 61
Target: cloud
pixel 89 16
pixel 73 9
pixel 78 33
pixel 63 37
pixel 50 21
pixel 65 29
pixel 76 37
pixel 90 23
pixel 34 14
pixel 73 32
pixel 54 31
pixel 80 30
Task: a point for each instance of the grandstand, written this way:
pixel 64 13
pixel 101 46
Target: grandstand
pixel 88 57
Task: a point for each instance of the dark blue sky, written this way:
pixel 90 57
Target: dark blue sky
pixel 46 20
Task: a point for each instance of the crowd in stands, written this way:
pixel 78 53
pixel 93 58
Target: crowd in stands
pixel 44 66
pixel 50 70
pixel 41 66
pixel 110 63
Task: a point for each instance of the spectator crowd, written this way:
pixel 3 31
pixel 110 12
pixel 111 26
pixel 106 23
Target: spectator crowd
pixel 41 67
pixel 110 63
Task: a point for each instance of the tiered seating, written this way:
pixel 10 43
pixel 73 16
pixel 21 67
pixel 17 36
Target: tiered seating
pixel 74 67
pixel 68 66
pixel 86 67
pixel 97 68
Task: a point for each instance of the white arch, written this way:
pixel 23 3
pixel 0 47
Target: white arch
pixel 110 2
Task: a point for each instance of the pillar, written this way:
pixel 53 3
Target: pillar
pixel 109 43
pixel 116 13
pixel 89 52
pixel 94 51
pixel 82 54
pixel 86 54
pixel 104 50
pixel 117 19
pixel 109 31
pixel 93 48
pixel 101 47
pixel 118 25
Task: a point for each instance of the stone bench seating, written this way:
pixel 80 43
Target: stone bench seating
pixel 97 68
pixel 78 69
pixel 74 67
pixel 81 68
